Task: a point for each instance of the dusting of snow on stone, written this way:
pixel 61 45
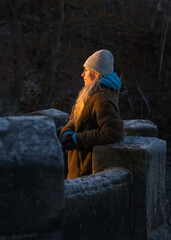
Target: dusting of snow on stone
pixel 29 138
pixel 137 123
pixel 89 183
pixel 136 142
pixel 53 111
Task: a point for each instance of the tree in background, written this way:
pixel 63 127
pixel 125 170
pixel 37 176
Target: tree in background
pixel 137 32
pixel 57 22
pixel 34 50
pixel 16 42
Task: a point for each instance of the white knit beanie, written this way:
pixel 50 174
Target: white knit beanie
pixel 101 61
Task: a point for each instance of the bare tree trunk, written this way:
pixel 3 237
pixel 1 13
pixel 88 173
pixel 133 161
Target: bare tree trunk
pixel 17 89
pixel 54 55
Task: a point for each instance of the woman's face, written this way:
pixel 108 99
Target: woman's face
pixel 88 76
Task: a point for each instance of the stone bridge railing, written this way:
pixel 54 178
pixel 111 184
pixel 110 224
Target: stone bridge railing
pixel 125 198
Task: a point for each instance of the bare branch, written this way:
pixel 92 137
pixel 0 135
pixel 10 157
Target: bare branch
pixel 143 97
pixel 125 93
pixel 163 43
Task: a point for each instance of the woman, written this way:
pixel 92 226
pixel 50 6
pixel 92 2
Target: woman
pixel 95 117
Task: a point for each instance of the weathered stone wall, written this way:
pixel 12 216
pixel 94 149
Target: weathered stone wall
pixel 99 206
pixel 32 179
pixel 145 158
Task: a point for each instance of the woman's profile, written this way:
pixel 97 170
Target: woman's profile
pixel 95 118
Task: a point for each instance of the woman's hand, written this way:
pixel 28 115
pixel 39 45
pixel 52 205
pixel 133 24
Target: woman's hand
pixel 68 143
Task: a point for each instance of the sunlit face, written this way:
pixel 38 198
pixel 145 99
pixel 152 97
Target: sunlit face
pixel 88 76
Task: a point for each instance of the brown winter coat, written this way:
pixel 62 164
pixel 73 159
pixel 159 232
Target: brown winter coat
pixel 99 124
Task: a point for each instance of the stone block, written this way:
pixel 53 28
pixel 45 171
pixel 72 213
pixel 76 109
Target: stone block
pixel 60 118
pixel 145 158
pixel 34 236
pixel 98 206
pixel 32 176
pixel 140 127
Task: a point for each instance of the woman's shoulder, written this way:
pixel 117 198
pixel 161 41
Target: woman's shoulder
pixel 102 98
pixel 104 93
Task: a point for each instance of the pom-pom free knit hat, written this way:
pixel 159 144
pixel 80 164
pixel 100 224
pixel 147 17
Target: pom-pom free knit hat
pixel 101 61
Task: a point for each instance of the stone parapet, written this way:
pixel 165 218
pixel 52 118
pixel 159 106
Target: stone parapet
pixel 140 127
pixel 98 206
pixel 57 235
pixel 60 118
pixel 32 179
pixel 145 158
pixel 135 127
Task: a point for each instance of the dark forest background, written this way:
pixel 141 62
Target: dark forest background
pixel 43 45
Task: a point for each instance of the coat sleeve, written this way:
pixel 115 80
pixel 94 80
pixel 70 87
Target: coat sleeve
pixel 109 125
pixel 68 127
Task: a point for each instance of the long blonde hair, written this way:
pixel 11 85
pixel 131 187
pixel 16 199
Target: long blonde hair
pixel 83 96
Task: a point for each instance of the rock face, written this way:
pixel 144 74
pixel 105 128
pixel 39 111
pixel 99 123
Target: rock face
pixel 140 127
pixel 98 206
pixel 145 158
pixel 32 175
